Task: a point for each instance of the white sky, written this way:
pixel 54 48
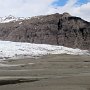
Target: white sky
pixel 28 8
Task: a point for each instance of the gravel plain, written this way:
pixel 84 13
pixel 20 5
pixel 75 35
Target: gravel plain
pixel 51 72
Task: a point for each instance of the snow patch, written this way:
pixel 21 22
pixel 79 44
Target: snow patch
pixel 20 23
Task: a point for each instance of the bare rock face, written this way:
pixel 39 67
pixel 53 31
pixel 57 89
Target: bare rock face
pixel 57 29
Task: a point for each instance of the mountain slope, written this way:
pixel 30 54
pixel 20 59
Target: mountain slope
pixel 57 29
pixel 19 50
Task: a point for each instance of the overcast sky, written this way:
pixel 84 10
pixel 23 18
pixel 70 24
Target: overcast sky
pixel 28 8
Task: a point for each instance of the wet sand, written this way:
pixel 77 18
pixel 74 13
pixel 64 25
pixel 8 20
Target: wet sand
pixel 52 72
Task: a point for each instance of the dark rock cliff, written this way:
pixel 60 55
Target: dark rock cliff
pixel 57 29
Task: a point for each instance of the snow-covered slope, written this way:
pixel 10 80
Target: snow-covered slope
pixel 19 50
pixel 10 18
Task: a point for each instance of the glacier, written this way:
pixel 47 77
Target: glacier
pixel 13 50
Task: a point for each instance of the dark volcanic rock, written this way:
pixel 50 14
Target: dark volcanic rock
pixel 57 29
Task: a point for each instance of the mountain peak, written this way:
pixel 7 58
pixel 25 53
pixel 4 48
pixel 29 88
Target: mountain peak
pixel 65 14
pixel 10 17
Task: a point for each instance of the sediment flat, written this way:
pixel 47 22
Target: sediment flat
pixel 51 72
